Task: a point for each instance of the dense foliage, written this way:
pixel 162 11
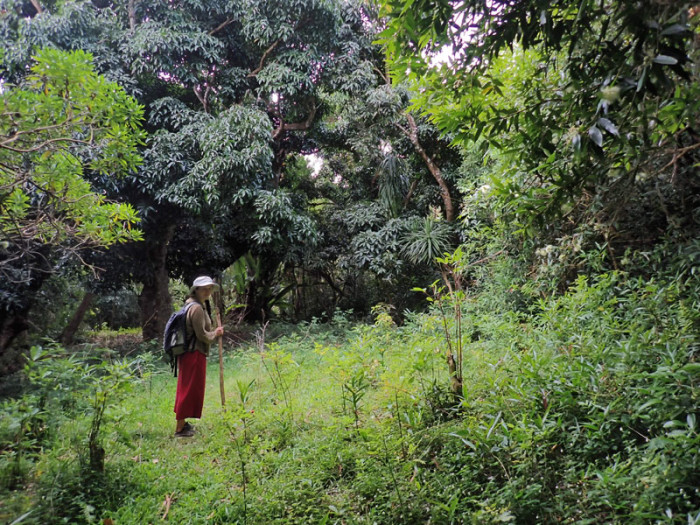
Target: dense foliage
pixel 582 408
pixel 577 95
pixel 46 199
pixel 586 113
pixel 233 93
pixel 505 192
pixel 61 129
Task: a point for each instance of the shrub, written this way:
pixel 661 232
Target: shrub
pixel 69 396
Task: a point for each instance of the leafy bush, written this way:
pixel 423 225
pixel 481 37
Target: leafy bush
pixel 69 396
pixel 592 415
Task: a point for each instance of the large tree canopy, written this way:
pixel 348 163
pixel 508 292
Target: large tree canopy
pixel 230 90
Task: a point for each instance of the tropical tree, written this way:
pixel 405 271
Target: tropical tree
pixel 229 90
pixel 60 124
pixel 589 109
pixel 384 167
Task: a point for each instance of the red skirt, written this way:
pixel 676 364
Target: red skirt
pixel 191 379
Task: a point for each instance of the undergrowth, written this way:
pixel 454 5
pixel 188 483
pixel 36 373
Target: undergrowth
pixel 577 408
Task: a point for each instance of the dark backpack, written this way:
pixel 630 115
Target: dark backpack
pixel 175 341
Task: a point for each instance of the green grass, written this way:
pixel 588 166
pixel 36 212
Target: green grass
pixel 582 411
pixel 294 454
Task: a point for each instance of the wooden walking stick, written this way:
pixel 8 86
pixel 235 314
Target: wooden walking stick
pixel 219 304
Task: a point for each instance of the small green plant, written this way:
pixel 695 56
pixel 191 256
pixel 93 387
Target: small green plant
pixel 109 383
pixel 81 393
pixel 22 433
pixel 341 320
pixel 353 391
pixel 243 397
pixel 278 365
pixel 385 327
pixel 82 386
pixel 236 419
pixel 451 269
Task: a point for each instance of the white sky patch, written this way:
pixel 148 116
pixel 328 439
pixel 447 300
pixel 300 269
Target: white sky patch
pixel 445 55
pixel 275 97
pixel 163 75
pixel 462 31
pixel 315 163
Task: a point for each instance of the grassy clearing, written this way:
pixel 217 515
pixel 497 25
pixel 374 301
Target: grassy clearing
pixel 301 434
pixel 582 409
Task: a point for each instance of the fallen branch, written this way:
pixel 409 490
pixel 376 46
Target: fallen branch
pixel 166 505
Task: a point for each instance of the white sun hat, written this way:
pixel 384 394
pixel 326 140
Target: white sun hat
pixel 203 280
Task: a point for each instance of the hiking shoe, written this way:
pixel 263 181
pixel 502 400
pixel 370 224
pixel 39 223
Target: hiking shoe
pixel 185 433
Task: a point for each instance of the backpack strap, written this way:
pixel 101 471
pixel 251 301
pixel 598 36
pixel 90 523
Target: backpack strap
pixel 186 308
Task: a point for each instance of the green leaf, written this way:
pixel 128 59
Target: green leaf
pixel 596 136
pixel 609 126
pixel 675 29
pixel 576 142
pixel 642 79
pixel 460 435
pixel 665 60
pixel 36 353
pixel 692 368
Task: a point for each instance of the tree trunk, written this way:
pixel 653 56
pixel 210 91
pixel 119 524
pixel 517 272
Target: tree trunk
pixel 11 326
pixel 259 292
pixel 37 6
pixel 132 14
pixel 434 169
pixel 69 331
pixel 155 302
pixel 255 305
pixel 14 314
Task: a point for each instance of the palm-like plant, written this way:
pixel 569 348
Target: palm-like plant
pixel 393 183
pixel 426 239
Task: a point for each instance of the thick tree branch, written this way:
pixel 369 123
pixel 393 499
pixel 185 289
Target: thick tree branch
pixel 132 14
pixel 327 277
pixel 221 26
pixel 37 6
pixel 8 139
pixel 382 74
pixel 203 97
pixel 403 129
pixel 295 126
pixel 48 142
pixel 412 134
pixel 264 57
pixel 409 195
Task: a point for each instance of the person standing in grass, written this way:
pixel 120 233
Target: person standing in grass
pixel 189 398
